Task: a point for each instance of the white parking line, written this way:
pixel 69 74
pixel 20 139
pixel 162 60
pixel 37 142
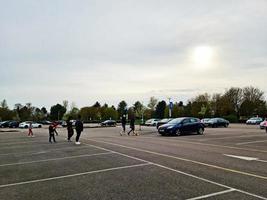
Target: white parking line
pixel 212 195
pixel 42 152
pixel 184 159
pixel 33 144
pixel 26 142
pixel 73 175
pixel 258 141
pixel 202 144
pixel 231 137
pixel 54 159
pixel 168 168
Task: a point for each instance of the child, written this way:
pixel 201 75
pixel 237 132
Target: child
pixel 54 124
pixel 52 133
pixel 30 134
pixel 70 129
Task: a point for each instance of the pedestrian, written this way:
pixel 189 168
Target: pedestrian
pixel 69 129
pixel 123 124
pixel 54 124
pixel 79 129
pixel 132 126
pixel 30 134
pixel 51 133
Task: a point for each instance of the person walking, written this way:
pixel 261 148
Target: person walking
pixel 52 133
pixel 30 134
pixel 132 126
pixel 123 124
pixel 55 127
pixel 79 129
pixel 69 129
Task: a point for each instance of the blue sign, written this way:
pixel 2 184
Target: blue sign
pixel 171 105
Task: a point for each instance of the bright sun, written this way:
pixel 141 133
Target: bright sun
pixel 203 56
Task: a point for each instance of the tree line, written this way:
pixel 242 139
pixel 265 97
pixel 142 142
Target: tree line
pixel 235 104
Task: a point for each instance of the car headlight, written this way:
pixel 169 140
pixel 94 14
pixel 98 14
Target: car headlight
pixel 170 127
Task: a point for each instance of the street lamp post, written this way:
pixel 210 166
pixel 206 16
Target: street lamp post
pixel 170 107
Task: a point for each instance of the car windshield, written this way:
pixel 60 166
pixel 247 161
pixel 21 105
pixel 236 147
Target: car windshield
pixel 176 121
pixel 213 120
pixel 164 120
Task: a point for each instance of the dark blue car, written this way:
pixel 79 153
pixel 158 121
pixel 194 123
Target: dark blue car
pixel 181 126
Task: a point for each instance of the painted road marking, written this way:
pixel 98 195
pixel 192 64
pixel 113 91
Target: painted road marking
pixel 74 175
pixel 54 159
pixel 203 144
pixel 33 144
pixel 231 137
pixel 42 152
pixel 170 169
pixel 183 159
pixel 212 194
pixel 245 158
pixel 258 141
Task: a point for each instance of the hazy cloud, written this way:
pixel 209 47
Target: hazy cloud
pixel 125 49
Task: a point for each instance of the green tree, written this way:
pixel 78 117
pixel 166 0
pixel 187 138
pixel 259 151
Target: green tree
pixel 138 108
pixel 6 114
pixel 3 104
pixel 57 112
pixel 122 108
pixel 197 105
pixel 160 109
pixel 253 102
pixel 152 103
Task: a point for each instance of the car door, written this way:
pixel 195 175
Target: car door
pixel 194 125
pixel 186 126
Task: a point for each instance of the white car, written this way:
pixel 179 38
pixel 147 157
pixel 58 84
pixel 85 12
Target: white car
pixel 27 124
pixel 254 120
pixel 152 122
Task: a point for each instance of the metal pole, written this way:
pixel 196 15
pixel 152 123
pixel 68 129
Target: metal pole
pixel 170 111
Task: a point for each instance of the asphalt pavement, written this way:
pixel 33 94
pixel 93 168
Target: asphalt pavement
pixel 224 163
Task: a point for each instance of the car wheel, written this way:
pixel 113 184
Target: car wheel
pixel 178 132
pixel 26 126
pixel 200 131
pixel 226 125
pixel 40 126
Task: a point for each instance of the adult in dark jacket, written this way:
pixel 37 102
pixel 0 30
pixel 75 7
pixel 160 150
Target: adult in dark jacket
pixel 69 129
pixel 79 129
pixel 132 126
pixel 123 124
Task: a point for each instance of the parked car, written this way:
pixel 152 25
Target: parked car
pixel 254 120
pixel 44 122
pixel 181 126
pixel 205 121
pixel 263 124
pixel 108 123
pixel 13 124
pixel 27 124
pixel 218 122
pixel 4 124
pixel 152 122
pixel 163 121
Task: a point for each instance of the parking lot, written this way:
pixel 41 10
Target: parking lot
pixel 224 163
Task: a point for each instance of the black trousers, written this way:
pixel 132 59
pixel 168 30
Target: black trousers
pixel 52 136
pixel 78 135
pixel 70 134
pixel 124 127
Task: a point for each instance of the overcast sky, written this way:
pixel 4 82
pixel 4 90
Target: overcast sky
pixel 110 50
